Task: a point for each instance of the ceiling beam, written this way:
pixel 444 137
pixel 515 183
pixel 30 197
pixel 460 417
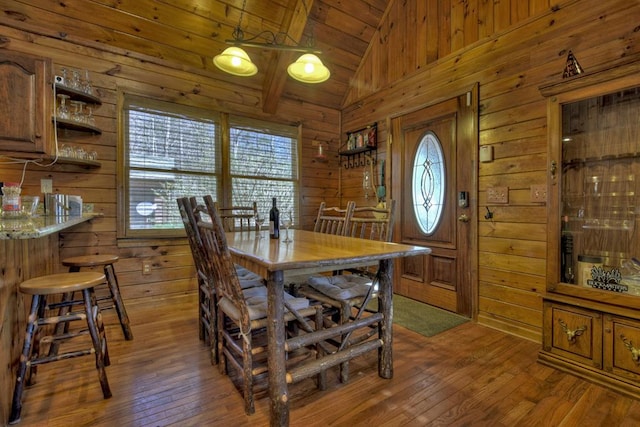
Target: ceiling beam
pixel 293 24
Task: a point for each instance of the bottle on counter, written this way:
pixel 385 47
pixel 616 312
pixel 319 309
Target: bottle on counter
pixel 274 221
pixel 11 201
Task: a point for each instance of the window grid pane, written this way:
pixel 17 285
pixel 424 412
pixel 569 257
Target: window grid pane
pixel 264 164
pixel 170 154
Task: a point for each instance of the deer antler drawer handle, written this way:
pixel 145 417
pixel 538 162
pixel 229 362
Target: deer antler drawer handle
pixel 635 352
pixel 571 333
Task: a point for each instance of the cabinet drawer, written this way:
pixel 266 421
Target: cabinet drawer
pixel 576 333
pixel 622 347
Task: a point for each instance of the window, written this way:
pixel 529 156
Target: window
pixel 428 183
pixel 264 164
pixel 172 151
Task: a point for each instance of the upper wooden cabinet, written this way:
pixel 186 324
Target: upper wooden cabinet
pixel 594 140
pixel 25 104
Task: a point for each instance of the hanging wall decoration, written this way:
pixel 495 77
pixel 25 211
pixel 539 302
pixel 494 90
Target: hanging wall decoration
pixel 573 67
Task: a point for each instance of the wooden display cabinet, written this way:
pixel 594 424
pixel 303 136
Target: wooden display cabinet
pixel 591 307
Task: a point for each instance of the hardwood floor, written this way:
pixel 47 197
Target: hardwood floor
pixel 467 376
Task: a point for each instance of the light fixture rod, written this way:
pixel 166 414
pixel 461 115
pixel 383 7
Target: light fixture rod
pixel 272 42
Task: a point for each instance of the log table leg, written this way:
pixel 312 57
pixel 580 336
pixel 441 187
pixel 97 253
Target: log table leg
pixel 278 391
pixel 385 306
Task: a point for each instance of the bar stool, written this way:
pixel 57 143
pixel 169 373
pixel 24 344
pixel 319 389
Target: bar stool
pixel 114 298
pixel 45 313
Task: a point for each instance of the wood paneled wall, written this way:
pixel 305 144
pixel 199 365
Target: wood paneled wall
pixel 509 66
pixel 19 260
pixel 423 52
pixel 172 267
pixel 111 70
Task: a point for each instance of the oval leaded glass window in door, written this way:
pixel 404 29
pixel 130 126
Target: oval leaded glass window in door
pixel 429 184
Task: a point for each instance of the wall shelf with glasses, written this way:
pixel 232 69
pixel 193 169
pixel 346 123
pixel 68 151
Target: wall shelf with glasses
pixel 69 97
pixel 78 94
pixel 74 117
pixel 75 125
pixel 360 148
pixel 89 164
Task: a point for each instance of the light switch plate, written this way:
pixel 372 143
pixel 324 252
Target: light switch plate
pixel 46 186
pixel 498 195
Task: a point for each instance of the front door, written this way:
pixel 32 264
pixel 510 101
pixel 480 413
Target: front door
pixel 434 183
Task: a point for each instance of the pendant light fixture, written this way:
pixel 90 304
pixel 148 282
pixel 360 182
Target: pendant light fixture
pixel 308 69
pixel 234 60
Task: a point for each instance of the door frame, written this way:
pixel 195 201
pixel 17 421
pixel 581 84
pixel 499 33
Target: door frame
pixel 471 135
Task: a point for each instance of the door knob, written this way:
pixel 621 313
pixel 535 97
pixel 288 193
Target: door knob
pixel 463 218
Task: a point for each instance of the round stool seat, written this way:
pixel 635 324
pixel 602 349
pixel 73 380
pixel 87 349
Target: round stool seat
pixel 61 283
pixel 89 260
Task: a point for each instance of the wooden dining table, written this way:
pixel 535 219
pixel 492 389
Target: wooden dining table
pixel 310 252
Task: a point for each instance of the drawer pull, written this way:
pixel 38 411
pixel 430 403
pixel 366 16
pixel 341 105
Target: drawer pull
pixel 571 334
pixel 635 352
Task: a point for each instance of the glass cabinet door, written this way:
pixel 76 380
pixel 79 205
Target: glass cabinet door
pixel 598 191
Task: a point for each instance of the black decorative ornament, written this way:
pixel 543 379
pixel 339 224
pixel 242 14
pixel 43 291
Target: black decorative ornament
pixel 573 67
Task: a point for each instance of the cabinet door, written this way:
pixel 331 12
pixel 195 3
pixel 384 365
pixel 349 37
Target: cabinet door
pixel 576 334
pixel 25 103
pixel 594 144
pixel 622 347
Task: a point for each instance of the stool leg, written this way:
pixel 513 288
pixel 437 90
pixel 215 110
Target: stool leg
pixel 62 326
pixel 30 378
pixel 16 405
pixel 114 288
pixel 99 342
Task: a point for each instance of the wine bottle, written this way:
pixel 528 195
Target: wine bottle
pixel 274 221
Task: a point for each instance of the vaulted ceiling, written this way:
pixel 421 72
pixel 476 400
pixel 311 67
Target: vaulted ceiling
pixel 191 32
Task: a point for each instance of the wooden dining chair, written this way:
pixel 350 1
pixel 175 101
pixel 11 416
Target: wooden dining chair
pixel 353 288
pixel 330 220
pixel 242 313
pixel 191 211
pixel 333 220
pixel 237 218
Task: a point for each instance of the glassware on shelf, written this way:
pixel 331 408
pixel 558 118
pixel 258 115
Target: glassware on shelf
pixel 81 154
pixel 65 77
pixel 76 83
pixel 86 84
pixel 78 111
pixel 89 118
pixel 63 109
pixel 67 151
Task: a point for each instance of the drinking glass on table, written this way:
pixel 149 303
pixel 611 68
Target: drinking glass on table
pixel 259 218
pixel 287 221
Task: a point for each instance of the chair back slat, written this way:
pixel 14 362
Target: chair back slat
pixel 333 220
pixel 373 223
pixel 219 259
pixel 189 211
pixel 237 218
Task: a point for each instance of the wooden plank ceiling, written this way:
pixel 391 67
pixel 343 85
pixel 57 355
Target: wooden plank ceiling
pixel 189 33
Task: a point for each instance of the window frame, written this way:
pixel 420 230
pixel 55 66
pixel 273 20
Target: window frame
pixel 223 192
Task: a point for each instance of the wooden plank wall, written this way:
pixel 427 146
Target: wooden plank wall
pixel 111 70
pixel 172 267
pixel 19 260
pixel 510 53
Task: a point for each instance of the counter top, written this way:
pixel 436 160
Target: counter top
pixel 39 226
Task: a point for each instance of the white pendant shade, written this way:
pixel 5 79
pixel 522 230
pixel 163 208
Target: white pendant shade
pixel 309 69
pixel 235 61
